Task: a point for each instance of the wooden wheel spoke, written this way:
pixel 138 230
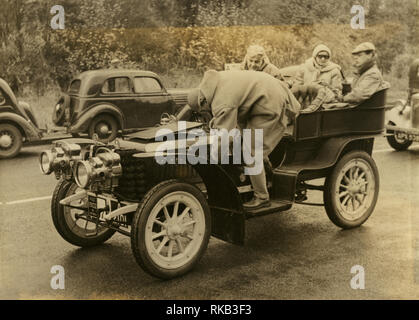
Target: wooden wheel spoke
pixel 344 186
pixel 351 173
pixel 356 173
pixel 342 194
pixel 353 204
pixel 189 223
pixel 158 235
pixel 346 179
pixel 160 223
pixel 166 213
pixel 162 244
pixel 170 250
pixel 189 236
pixel 183 214
pixel 175 210
pixel 363 183
pixel 345 200
pixel 359 198
pixel 180 246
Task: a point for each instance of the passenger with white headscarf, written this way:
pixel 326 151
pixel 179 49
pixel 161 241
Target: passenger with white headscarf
pixel 257 60
pixel 319 78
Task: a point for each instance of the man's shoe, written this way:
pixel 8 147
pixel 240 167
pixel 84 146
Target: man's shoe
pixel 256 203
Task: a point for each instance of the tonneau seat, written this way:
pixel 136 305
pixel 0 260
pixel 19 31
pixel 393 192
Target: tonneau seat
pixel 338 119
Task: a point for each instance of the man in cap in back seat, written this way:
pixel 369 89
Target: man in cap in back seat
pixel 368 79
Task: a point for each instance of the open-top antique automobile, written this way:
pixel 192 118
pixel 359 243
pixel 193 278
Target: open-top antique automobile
pixel 17 123
pixel 402 123
pixel 402 120
pixel 107 101
pixel 170 210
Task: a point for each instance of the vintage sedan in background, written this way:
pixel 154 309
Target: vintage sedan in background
pixel 104 102
pixel 17 123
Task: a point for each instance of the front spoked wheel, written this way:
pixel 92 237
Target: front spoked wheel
pixel 71 222
pixel 171 229
pixel 351 190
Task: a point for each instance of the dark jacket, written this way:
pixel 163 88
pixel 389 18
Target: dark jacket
pixel 249 100
pixel 366 84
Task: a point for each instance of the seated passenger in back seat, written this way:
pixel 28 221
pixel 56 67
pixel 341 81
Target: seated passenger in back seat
pixel 368 77
pixel 319 80
pixel 257 60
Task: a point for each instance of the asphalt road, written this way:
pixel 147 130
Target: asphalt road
pixel 298 254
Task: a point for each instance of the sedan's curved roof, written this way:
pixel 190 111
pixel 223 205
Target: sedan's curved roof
pixel 92 81
pixel 7 90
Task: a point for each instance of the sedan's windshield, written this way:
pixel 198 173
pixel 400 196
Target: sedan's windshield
pixel 74 86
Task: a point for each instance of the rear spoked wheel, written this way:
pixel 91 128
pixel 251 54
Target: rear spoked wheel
pixel 351 190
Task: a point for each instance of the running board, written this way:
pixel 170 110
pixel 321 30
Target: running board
pixel 275 207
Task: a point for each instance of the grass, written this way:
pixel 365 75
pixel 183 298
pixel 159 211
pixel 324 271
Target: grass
pixel 42 106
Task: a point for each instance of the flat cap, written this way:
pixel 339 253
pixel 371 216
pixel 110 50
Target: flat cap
pixel 365 46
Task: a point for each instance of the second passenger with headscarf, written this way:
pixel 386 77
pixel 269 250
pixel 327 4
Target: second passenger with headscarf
pixel 319 78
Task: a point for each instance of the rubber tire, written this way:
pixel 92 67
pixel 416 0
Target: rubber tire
pixel 398 146
pixel 17 140
pixel 139 224
pixel 58 117
pixel 329 199
pixel 105 118
pixel 57 213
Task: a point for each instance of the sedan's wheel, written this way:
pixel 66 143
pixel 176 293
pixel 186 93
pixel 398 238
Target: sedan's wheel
pixel 351 190
pixel 10 140
pixel 105 127
pixel 397 143
pixel 71 222
pixel 58 114
pixel 171 229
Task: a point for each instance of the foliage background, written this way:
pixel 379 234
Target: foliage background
pixel 180 39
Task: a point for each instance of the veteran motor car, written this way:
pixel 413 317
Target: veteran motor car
pixel 170 211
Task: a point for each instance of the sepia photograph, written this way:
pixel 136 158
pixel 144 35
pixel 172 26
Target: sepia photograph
pixel 196 150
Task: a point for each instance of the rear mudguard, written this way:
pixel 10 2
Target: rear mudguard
pixel 26 127
pixel 285 177
pixel 83 121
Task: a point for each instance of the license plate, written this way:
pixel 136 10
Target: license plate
pixel 92 202
pixel 407 136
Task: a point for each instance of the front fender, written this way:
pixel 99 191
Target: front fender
pixel 83 121
pixel 28 129
pixel 399 119
pixel 227 215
